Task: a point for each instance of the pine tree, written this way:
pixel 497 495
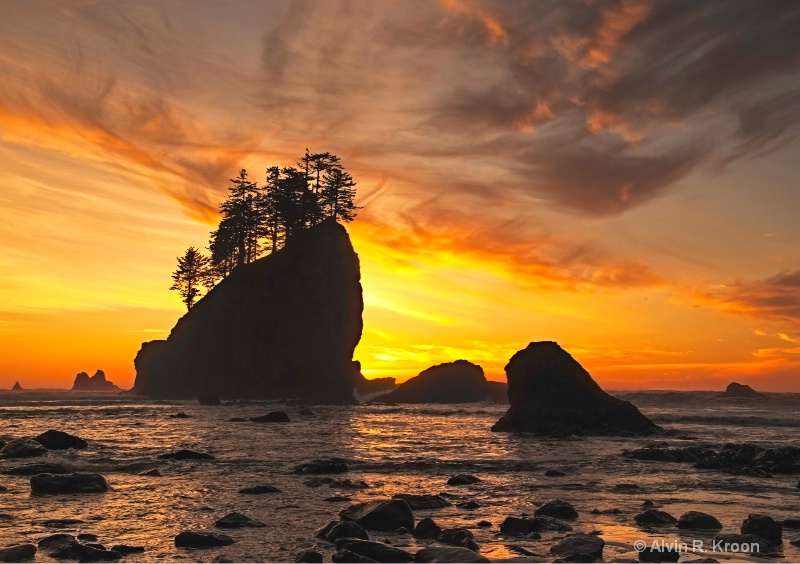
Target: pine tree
pixel 338 194
pixel 189 276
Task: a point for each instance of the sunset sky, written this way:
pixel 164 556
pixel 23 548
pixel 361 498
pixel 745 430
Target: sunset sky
pixel 620 177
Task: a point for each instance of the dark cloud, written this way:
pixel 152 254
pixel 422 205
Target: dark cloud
pixel 776 298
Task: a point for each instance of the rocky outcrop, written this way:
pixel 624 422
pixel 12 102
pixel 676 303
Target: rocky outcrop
pixel 365 388
pixel 737 390
pixel 742 459
pixel 16 387
pixel 96 383
pixel 451 382
pixel 59 440
pixel 284 326
pixel 551 394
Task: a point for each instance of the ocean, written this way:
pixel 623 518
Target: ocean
pixel 394 449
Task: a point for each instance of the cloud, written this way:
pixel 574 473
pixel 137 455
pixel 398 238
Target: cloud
pixel 776 298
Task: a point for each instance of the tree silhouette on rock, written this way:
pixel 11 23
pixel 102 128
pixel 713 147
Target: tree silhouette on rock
pixel 187 279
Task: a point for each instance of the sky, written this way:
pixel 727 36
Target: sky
pixel 620 176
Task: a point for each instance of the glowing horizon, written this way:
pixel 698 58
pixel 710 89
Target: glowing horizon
pixel 578 173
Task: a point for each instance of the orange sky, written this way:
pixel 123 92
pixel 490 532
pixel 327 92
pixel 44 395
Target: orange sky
pixel 582 173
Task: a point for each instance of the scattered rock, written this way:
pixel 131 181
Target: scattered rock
pixel 469 505
pixel 551 394
pixel 665 554
pixel 18 553
pixel 237 520
pixel 345 555
pixel 22 448
pixel 262 489
pixel 186 455
pixel 752 541
pixel 554 473
pixel 59 440
pixel 458 537
pixel 557 508
pixel 308 556
pixel 484 523
pixel 426 529
pixel 614 511
pixel 347 483
pixel 181 415
pixel 579 543
pixel 207 399
pixel 272 417
pixel 345 529
pixel 376 551
pixel 699 520
pixel 655 517
pixel 85 553
pixel 448 554
pixel 57 541
pixel 423 501
pixel 738 459
pixel 386 515
pixel 526 526
pixel 36 468
pixel 463 480
pixel 126 549
pixel 322 466
pixel 763 526
pixel 201 539
pixel 451 382
pixel 97 383
pixel 68 483
pixel 737 390
pixel 154 473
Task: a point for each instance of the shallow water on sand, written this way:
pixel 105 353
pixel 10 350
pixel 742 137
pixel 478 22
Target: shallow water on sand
pixel 395 449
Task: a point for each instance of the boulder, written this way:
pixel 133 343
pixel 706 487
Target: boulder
pixel 22 448
pixel 426 529
pixel 36 468
pixel 385 515
pixel 236 521
pixel 551 394
pixel 737 390
pixel 57 541
pixel 153 473
pixel 126 549
pixel 451 382
pixel 763 526
pixel 698 520
pixel 376 551
pixel 18 553
pixel 558 509
pixel 309 556
pixel 526 525
pixel 201 539
pixel 423 501
pixel 579 543
pixel 85 553
pixel 283 326
pixel 259 490
pixel 16 387
pixel 322 466
pixel 186 455
pixel 59 440
pixel 655 517
pixel 463 480
pixel 448 554
pixel 458 537
pixel 272 417
pixel 76 483
pixel 96 383
pixel 344 530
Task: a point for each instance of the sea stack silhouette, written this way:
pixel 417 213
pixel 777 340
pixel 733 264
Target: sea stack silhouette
pixel 451 382
pixel 551 394
pixel 737 390
pixel 96 383
pixel 283 326
pixel 16 387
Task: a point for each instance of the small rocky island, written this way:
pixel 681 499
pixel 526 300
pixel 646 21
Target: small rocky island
pixel 16 387
pixel 737 390
pixel 451 382
pixel 552 394
pixel 96 383
pixel 283 326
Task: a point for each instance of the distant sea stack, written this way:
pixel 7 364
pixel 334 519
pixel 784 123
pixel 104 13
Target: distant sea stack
pixel 551 394
pixel 283 326
pixel 451 382
pixel 96 383
pixel 16 387
pixel 737 390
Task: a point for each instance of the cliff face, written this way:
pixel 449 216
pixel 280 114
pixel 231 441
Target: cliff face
pixel 284 326
pixel 551 394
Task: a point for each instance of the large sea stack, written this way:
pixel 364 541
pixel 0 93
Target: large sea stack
pixel 97 383
pixel 551 394
pixel 284 326
pixel 451 382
